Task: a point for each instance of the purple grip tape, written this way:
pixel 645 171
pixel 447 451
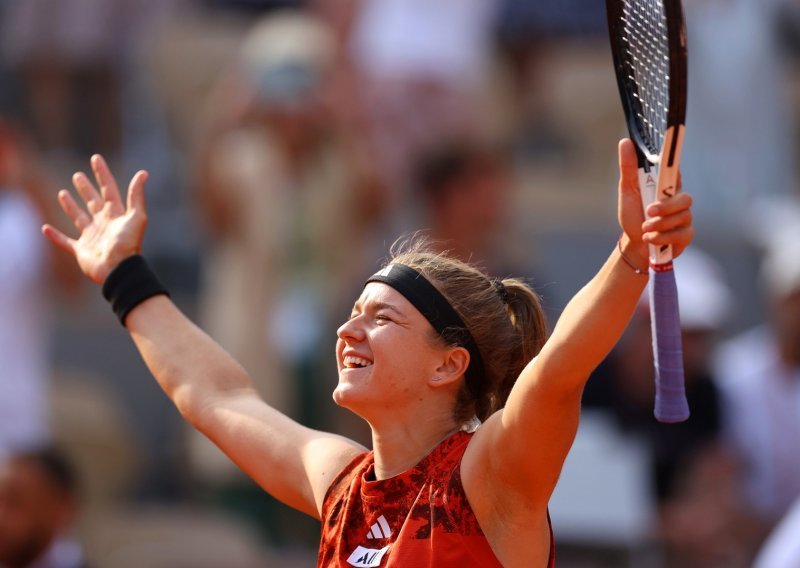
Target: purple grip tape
pixel 671 405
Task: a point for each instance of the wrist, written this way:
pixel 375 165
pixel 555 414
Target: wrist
pixel 635 255
pixel 129 284
pixel 109 264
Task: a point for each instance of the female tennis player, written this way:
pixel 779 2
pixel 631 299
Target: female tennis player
pixel 469 431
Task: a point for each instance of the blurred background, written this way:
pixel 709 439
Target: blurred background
pixel 289 143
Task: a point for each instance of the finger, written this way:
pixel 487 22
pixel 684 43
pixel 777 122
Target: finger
pixel 679 247
pixel 629 207
pixel 78 216
pixel 670 205
pixel 136 201
pixel 92 199
pixel 679 237
pixel 628 166
pixel 59 239
pixel 682 218
pixel 105 180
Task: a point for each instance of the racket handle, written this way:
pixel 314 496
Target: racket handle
pixel 671 404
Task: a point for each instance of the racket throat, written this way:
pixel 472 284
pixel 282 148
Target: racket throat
pixel 648 184
pixel 660 256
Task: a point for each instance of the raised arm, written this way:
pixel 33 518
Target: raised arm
pixel 526 443
pixel 213 392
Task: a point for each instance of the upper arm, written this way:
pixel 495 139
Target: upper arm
pixel 525 444
pixel 512 465
pixel 214 393
pixel 293 463
pixel 519 451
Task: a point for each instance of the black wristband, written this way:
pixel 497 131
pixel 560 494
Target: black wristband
pixel 130 284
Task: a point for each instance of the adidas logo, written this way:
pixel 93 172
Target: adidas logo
pixel 371 557
pixel 380 529
pixel 367 557
pixel 385 271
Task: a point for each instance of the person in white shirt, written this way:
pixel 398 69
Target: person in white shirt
pixel 758 376
pixel 23 310
pixel 423 73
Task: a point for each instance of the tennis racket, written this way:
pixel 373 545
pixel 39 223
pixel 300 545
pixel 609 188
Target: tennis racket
pixel 648 43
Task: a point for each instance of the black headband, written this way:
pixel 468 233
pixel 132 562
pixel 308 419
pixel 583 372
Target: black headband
pixel 437 310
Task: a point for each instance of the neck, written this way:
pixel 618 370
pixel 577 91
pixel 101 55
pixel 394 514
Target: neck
pixel 402 446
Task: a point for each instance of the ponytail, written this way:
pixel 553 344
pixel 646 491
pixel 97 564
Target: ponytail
pixel 525 312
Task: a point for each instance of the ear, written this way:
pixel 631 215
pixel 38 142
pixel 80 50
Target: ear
pixel 453 366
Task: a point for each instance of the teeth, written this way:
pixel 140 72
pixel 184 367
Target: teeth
pixel 352 361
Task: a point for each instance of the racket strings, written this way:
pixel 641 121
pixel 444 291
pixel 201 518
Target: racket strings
pixel 646 57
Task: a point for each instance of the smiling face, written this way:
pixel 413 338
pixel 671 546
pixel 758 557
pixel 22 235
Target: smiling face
pixel 386 353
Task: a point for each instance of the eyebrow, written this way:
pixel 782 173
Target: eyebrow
pixel 377 306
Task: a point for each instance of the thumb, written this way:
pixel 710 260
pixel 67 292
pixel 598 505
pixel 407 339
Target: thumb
pixel 630 211
pixel 628 167
pixel 136 201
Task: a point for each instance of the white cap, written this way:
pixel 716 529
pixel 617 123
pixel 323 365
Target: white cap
pixel 774 224
pixel 704 298
pixel 285 55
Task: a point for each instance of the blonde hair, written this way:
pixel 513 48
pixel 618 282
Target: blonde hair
pixel 505 318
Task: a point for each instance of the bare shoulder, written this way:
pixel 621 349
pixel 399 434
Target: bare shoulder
pixel 325 456
pixel 515 525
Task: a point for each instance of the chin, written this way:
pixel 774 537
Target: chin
pixel 337 395
pixel 345 394
pixel 351 397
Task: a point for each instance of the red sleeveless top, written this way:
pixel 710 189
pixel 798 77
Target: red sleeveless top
pixel 420 518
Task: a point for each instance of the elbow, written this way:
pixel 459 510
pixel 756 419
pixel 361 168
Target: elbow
pixel 197 400
pixel 564 381
pixel 190 403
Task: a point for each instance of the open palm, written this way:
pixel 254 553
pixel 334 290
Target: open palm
pixel 110 230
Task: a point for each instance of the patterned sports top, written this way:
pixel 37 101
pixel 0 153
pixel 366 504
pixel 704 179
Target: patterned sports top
pixel 420 518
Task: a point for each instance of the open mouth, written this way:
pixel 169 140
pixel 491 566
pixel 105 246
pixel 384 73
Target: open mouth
pixel 354 362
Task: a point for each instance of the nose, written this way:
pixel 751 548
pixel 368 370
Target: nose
pixel 352 330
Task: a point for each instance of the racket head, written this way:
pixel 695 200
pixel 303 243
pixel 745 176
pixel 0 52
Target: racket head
pixel 648 45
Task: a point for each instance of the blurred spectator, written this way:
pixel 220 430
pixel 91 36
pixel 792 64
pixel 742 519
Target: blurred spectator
pixel 38 506
pixel 692 473
pixel 71 61
pixel 528 32
pixel 66 54
pixel 739 142
pixel 419 71
pixel 288 217
pixel 23 304
pixel 626 383
pixel 759 377
pixel 465 188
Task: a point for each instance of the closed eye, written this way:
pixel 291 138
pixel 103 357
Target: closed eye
pixel 380 310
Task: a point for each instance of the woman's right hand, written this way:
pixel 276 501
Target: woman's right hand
pixel 110 230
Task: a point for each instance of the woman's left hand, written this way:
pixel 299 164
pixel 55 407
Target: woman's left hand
pixel 668 221
pixel 110 229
